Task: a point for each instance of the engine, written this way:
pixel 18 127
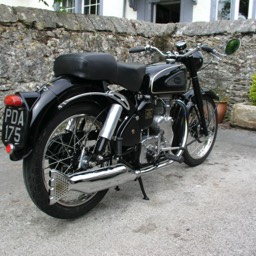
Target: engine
pixel 151 127
pixel 158 138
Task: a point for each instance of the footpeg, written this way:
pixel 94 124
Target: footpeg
pixel 179 159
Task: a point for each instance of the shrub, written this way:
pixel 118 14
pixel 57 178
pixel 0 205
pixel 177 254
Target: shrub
pixel 252 93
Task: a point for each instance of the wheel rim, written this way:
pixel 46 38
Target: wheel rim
pixel 63 149
pixel 198 145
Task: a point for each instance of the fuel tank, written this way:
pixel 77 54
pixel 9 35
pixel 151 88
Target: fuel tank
pixel 167 78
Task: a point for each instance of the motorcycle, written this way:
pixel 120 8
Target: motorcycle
pixel 78 138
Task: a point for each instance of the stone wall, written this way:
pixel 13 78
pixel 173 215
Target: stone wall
pixel 32 38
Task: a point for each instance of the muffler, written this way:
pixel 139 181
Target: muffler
pixel 95 179
pixel 88 182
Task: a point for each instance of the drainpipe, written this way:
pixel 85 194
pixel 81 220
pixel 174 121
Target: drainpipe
pixel 234 10
pixel 252 9
pixel 56 7
pixel 124 8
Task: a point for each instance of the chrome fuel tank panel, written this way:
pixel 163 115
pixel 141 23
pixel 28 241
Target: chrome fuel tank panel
pixel 167 78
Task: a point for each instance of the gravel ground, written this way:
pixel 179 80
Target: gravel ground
pixel 206 210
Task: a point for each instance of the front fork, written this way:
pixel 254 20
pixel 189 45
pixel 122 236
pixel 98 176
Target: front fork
pixel 198 94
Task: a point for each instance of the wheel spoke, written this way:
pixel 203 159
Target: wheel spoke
pixel 64 148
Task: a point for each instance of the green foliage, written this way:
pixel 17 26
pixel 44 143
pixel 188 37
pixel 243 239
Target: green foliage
pixel 221 94
pixel 252 93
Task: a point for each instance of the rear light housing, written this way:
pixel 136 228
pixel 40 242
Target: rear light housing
pixel 9 148
pixel 13 100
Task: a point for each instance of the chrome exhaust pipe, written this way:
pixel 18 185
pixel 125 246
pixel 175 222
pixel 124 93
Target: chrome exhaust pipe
pixel 88 182
pixel 94 180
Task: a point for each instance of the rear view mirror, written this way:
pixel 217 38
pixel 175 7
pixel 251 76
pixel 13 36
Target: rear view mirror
pixel 232 46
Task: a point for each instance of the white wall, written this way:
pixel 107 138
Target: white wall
pixel 113 8
pixel 202 11
pixel 28 3
pixel 116 8
pixel 129 12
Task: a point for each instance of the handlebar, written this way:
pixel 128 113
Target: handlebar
pixel 208 49
pixel 176 55
pixel 137 49
pixel 148 48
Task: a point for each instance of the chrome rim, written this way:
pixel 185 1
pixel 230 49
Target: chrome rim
pixel 63 149
pixel 198 144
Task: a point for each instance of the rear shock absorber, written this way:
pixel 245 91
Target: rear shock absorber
pixel 108 128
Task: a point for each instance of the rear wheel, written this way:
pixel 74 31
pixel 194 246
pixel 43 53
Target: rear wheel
pixel 59 148
pixel 199 146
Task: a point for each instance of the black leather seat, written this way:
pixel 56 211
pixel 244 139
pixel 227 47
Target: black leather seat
pixel 93 66
pixel 100 66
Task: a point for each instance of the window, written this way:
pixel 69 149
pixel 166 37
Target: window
pixel 68 6
pixel 243 9
pixel 78 6
pixel 167 12
pixel 91 7
pixel 225 9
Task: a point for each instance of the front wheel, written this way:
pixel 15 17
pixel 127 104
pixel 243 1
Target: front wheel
pixel 199 146
pixel 59 148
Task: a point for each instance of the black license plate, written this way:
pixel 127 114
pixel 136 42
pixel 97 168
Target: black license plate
pixel 15 124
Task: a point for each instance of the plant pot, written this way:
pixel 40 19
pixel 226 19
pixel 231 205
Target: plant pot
pixel 221 110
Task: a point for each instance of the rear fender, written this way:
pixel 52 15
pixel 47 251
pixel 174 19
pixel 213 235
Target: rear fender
pixel 43 105
pixel 60 94
pixel 109 96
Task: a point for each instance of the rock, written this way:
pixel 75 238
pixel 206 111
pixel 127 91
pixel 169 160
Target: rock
pixel 102 23
pixel 244 115
pixel 67 21
pixel 123 26
pixel 6 14
pixel 36 18
pixel 84 23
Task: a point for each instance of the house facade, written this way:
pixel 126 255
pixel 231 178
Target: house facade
pixel 158 11
pixel 25 3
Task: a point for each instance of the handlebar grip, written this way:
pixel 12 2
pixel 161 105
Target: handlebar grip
pixel 208 49
pixel 137 49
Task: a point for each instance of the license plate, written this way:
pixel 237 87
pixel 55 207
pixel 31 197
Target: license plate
pixel 15 126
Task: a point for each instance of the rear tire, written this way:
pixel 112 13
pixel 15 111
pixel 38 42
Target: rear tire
pixel 198 146
pixel 58 147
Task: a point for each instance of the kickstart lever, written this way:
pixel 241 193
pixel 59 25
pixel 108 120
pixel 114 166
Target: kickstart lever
pixel 179 159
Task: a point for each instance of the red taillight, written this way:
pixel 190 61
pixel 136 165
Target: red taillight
pixel 13 100
pixel 9 148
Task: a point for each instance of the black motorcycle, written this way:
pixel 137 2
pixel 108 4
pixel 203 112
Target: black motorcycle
pixel 78 138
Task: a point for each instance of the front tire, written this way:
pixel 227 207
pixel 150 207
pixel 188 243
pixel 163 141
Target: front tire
pixel 198 145
pixel 59 147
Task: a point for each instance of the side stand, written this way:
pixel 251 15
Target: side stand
pixel 145 197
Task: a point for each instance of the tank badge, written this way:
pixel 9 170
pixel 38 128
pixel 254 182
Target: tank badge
pixel 149 113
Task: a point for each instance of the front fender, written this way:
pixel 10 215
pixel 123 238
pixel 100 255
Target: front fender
pixel 190 94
